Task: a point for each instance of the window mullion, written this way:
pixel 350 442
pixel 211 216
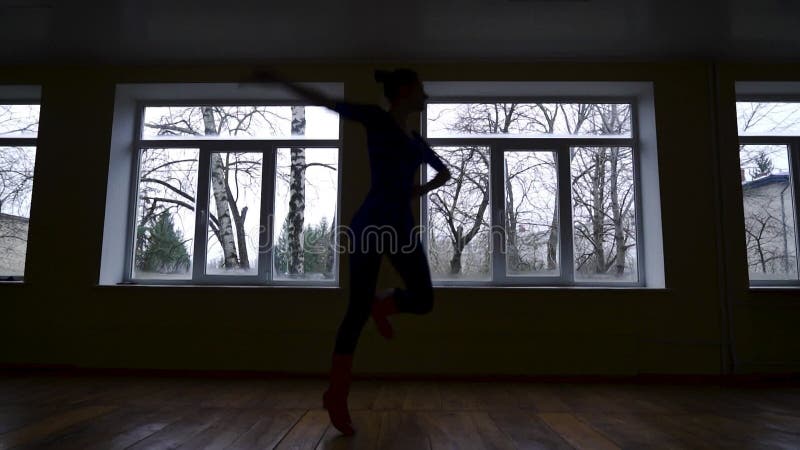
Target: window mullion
pixel 794 171
pixel 132 219
pixel 641 279
pixel 267 219
pixel 565 238
pixel 201 214
pixel 423 211
pixel 497 231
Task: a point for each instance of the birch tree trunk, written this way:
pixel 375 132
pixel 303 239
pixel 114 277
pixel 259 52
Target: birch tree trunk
pixel 598 198
pixel 219 188
pixel 619 234
pixel 297 195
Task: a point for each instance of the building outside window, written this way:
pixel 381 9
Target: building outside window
pixel 19 126
pixel 769 138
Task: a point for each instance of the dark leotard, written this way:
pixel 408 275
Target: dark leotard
pixel 394 158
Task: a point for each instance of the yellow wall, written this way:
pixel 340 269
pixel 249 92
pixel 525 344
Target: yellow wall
pixel 766 321
pixel 61 316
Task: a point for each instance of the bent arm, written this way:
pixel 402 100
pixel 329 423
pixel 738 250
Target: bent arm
pixel 442 177
pixel 442 172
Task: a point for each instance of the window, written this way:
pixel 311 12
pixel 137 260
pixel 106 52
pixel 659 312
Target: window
pixel 228 192
pixel 19 126
pixel 206 174
pixel 543 192
pixel 769 138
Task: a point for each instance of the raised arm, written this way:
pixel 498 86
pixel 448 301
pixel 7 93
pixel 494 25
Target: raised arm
pixel 312 95
pixel 363 113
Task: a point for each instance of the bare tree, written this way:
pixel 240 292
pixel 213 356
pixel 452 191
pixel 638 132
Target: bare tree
pixel 603 194
pixel 462 205
pixel 602 185
pixel 230 173
pixel 297 195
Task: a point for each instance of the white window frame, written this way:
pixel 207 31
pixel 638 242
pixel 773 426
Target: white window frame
pixel 21 95
pixel 775 92
pixel 135 99
pixel 649 255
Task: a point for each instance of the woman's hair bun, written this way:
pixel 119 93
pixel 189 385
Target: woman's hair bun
pixel 382 76
pixel 393 80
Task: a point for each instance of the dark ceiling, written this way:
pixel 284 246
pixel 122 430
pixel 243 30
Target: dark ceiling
pixel 150 31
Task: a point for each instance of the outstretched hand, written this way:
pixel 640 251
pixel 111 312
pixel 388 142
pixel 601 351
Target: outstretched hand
pixel 268 75
pixel 264 75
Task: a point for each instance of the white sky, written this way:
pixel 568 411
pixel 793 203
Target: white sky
pixel 19 121
pixel 766 119
pixel 321 123
pixel 442 116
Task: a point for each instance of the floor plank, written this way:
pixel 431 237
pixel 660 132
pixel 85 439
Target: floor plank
pixel 458 396
pixel 120 428
pixel 422 396
pixel 402 430
pixel 223 433
pixel 50 425
pixel 577 433
pixel 492 437
pixel 539 397
pixel 448 430
pixel 47 412
pixel 269 431
pixel 392 395
pixel 181 430
pixel 307 432
pixel 527 431
pixel 367 425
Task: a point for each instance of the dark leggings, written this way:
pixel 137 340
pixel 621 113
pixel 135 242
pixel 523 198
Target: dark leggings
pixel 408 259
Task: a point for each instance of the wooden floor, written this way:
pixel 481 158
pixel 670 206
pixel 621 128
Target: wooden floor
pixel 46 411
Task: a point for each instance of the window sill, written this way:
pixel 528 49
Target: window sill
pixel 777 289
pixel 215 286
pixel 632 289
pixel 560 288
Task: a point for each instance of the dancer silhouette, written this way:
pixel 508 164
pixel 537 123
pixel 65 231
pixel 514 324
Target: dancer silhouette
pixel 382 225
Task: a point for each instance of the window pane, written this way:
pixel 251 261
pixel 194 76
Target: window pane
pixel 19 120
pixel 603 214
pixel 768 118
pixel 16 184
pixel 458 217
pixel 234 204
pixel 306 194
pixel 450 120
pixel 165 214
pixel 768 212
pixel 531 213
pixel 242 122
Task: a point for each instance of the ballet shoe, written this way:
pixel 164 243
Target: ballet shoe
pixel 335 397
pixel 337 412
pixel 382 306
